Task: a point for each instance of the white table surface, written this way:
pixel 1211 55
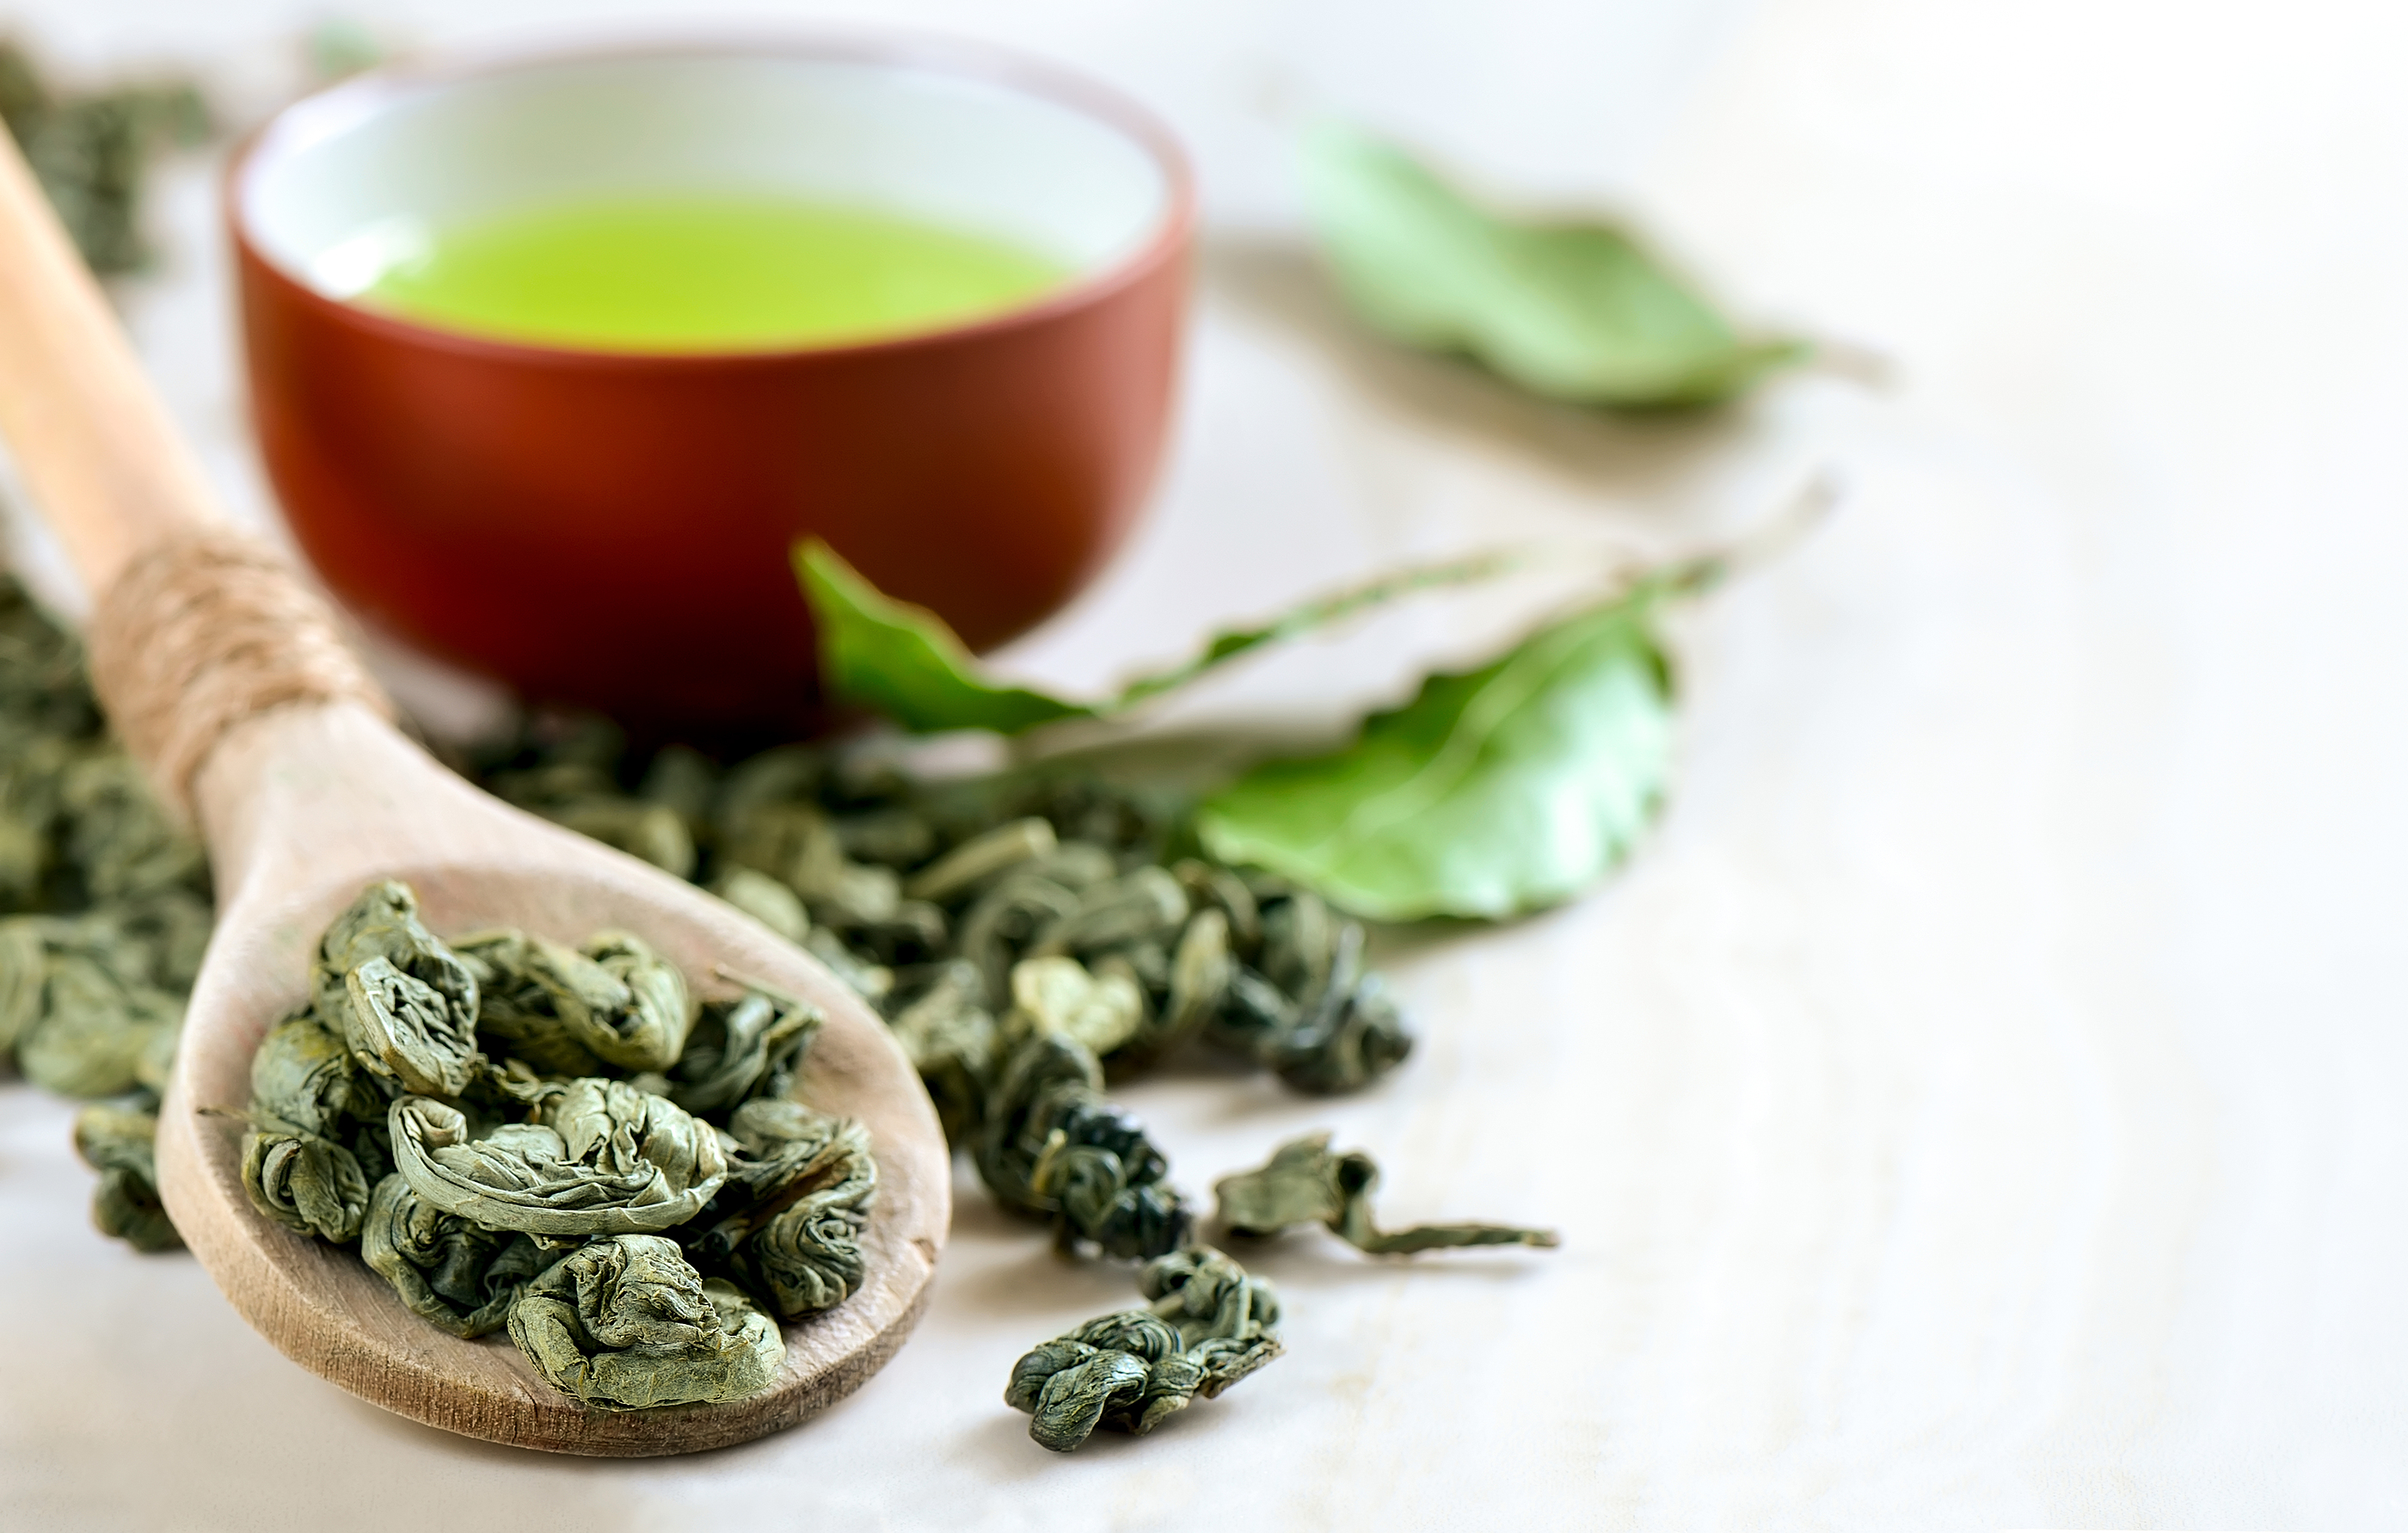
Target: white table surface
pixel 1979 1105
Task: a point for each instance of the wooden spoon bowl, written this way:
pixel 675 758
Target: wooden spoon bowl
pixel 228 680
pixel 286 795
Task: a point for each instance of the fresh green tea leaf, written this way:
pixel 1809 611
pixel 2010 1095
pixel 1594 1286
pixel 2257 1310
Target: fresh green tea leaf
pixel 1317 612
pixel 903 661
pixel 1494 791
pixel 1576 311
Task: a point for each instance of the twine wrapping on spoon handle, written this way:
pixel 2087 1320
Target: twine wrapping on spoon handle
pixel 203 631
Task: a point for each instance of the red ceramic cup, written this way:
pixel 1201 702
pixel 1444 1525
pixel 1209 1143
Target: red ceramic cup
pixel 612 529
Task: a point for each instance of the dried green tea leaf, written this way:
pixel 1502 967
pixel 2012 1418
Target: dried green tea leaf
pixel 653 832
pixel 1495 791
pixel 402 1029
pixel 449 1270
pixel 304 1182
pixel 117 1141
pixel 305 1074
pixel 1304 1183
pixel 950 1038
pixel 1057 995
pixel 1313 1012
pixel 1210 1325
pixel 93 1028
pixel 1572 310
pixel 764 899
pixel 743 1049
pixel 627 1324
pixel 406 1005
pixel 602 1158
pixel 807 1181
pixel 650 1032
pixel 982 857
pixel 91 151
pixel 572 1011
pixel 1053 1147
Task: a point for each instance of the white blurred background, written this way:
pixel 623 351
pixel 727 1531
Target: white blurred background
pixel 1980 1106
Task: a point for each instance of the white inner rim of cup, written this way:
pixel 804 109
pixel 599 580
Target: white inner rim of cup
pixel 349 182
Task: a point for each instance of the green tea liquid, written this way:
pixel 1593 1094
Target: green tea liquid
pixel 671 273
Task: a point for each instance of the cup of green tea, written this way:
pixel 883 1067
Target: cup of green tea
pixel 552 358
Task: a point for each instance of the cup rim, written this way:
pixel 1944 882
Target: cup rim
pixel 928 51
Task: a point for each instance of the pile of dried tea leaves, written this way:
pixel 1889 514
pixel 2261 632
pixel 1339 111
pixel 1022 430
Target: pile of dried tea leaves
pixel 1029 936
pixel 103 911
pixel 564 1142
pixel 91 150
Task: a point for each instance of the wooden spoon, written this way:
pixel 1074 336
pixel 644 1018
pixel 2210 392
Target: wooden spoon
pixel 302 805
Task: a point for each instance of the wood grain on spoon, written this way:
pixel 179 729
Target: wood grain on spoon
pixel 303 804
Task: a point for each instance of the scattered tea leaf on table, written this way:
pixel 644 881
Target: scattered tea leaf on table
pixel 1495 791
pixel 1208 1325
pixel 1304 1182
pixel 904 662
pixel 1572 310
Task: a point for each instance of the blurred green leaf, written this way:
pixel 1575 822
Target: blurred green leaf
pixel 1572 310
pixel 903 661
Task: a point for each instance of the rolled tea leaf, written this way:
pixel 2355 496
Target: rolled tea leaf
pixel 764 899
pixel 743 1049
pixel 94 1026
pixel 1057 995
pixel 1495 791
pixel 809 1181
pixel 304 1182
pixel 982 857
pixel 627 1324
pixel 1572 310
pixel 1313 1013
pixel 406 1003
pixel 450 1271
pixel 950 1037
pixel 611 1004
pixel 402 1029
pixel 602 1158
pixel 118 1142
pixel 650 1032
pixel 1053 1147
pixel 538 999
pixel 305 1074
pixel 1146 904
pixel 1210 1325
pixel 1303 1183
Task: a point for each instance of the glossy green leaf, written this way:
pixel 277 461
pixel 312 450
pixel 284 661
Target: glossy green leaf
pixel 903 661
pixel 1572 310
pixel 1494 791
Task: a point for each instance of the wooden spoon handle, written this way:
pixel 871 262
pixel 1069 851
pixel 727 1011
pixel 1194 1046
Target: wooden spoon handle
pixel 104 462
pixel 197 626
